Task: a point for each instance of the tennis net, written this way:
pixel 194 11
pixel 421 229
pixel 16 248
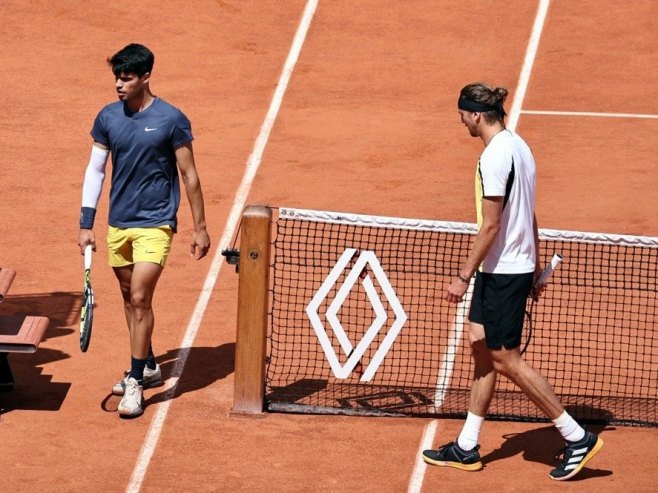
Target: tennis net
pixel 358 323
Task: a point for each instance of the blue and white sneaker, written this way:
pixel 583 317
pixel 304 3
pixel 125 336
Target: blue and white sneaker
pixel 575 455
pixel 452 455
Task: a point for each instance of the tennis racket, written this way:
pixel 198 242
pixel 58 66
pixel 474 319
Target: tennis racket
pixel 548 271
pixel 541 282
pixel 87 311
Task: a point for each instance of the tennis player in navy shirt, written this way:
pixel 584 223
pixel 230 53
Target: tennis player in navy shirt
pixel 150 141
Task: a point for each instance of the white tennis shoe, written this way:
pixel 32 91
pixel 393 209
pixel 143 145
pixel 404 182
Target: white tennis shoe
pixel 152 378
pixel 132 403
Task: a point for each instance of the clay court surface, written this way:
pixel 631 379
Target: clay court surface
pixel 368 124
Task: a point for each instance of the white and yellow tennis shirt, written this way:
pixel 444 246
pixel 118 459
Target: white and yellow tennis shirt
pixel 506 169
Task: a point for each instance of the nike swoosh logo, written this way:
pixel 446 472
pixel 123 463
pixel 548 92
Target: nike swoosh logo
pixel 147 129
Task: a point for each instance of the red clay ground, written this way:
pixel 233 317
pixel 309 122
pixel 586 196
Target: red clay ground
pixel 368 125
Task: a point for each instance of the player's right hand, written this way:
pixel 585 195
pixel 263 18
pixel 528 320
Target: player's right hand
pixel 86 237
pixel 456 291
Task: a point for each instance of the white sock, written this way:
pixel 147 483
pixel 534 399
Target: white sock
pixel 568 428
pixel 468 438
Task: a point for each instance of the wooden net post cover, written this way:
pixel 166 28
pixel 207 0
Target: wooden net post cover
pixel 253 295
pixel 6 278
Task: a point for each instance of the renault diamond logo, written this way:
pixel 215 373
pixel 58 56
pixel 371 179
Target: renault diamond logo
pixel 367 259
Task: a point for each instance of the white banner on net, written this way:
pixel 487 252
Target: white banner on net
pixel 364 220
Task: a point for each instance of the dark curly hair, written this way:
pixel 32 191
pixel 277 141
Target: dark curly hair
pixel 132 59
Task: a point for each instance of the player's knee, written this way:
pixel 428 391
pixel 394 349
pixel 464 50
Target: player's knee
pixel 501 367
pixel 507 367
pixel 139 301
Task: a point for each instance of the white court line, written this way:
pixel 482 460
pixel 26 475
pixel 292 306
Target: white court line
pixel 588 113
pixel 528 62
pixel 416 481
pixel 454 341
pixel 148 448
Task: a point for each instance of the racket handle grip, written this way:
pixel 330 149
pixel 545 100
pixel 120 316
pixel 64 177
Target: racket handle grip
pixel 88 252
pixel 548 271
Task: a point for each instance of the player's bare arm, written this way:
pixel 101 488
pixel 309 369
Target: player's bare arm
pixel 200 243
pixel 492 209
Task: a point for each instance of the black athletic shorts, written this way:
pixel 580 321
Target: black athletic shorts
pixel 499 302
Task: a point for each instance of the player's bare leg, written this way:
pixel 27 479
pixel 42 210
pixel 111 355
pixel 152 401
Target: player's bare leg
pixel 463 453
pixel 124 276
pixel 138 283
pixel 508 362
pixel 145 276
pixel 484 377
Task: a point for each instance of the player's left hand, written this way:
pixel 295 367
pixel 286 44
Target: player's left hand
pixel 537 288
pixel 200 244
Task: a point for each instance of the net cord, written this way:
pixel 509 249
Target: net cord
pixel 459 227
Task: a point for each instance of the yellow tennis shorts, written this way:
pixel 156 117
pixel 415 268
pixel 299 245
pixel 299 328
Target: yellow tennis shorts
pixel 129 245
